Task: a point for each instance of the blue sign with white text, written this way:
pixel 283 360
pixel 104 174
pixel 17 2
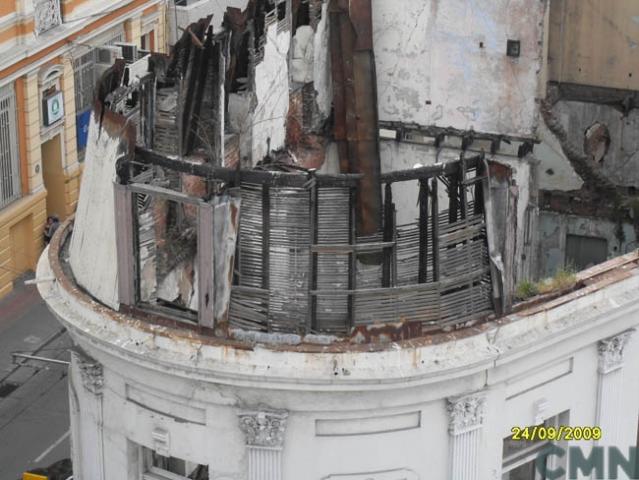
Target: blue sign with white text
pixel 82 128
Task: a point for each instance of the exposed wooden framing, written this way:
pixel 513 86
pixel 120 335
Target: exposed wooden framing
pixel 125 243
pixel 164 193
pixel 435 222
pixel 223 174
pixel 311 320
pixel 388 235
pixel 266 240
pixel 206 280
pixel 423 230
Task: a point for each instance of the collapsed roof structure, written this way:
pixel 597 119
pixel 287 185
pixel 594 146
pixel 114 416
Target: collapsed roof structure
pixel 301 234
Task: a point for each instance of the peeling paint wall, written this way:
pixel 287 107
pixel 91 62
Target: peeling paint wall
pixel 444 63
pixel 555 170
pixel 554 227
pixel 272 94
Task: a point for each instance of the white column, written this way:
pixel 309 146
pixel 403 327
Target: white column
pixel 264 431
pixel 466 418
pixel 610 387
pixel 90 444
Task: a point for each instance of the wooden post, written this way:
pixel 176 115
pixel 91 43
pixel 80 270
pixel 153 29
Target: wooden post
pixel 206 280
pixel 423 231
pixel 435 220
pixel 388 235
pixel 266 242
pixel 352 256
pixel 126 236
pixel 311 320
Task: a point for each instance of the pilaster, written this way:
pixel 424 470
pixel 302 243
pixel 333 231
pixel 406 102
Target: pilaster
pixel 466 419
pixel 264 431
pixel 610 387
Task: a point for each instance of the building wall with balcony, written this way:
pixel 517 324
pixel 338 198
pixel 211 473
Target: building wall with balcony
pixel 41 173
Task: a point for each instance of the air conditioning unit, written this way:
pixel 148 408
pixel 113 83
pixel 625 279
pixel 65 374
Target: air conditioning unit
pixel 129 51
pixel 107 55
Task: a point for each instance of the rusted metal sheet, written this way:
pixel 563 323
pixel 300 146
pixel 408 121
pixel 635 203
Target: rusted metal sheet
pixel 355 104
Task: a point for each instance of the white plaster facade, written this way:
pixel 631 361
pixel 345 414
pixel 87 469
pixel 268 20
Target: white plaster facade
pixel 387 413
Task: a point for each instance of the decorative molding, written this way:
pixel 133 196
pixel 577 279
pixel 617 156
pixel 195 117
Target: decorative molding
pixel 611 352
pixel 465 413
pixel 264 428
pixel 91 373
pixel 47 15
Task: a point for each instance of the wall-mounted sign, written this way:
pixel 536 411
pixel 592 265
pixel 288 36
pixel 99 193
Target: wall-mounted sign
pixel 52 108
pixel 82 128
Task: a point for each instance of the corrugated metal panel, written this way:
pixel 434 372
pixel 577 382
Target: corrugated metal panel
pixel 9 158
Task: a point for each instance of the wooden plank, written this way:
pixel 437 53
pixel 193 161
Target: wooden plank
pixel 226 213
pixel 346 249
pixel 125 244
pixel 206 276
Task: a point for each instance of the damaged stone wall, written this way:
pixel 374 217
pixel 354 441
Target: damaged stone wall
pixel 617 158
pixel 445 63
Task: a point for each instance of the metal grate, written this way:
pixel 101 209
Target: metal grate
pixel 9 159
pixel 84 80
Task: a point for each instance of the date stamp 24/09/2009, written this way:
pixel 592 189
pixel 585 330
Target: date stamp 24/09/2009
pixel 562 432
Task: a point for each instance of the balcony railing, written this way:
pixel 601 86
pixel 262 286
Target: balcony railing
pixel 47 15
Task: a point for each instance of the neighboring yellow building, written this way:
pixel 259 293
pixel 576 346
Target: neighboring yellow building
pixel 49 63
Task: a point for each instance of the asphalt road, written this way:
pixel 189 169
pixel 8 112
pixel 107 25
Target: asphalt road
pixel 34 406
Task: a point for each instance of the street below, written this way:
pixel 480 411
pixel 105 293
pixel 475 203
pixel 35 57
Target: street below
pixel 34 406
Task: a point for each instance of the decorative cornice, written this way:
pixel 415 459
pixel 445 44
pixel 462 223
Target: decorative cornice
pixel 465 413
pixel 611 351
pixel 263 428
pixel 91 373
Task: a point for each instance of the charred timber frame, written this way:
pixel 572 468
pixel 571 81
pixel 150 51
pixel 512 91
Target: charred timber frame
pixel 435 235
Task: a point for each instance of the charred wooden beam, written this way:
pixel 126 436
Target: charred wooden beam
pixel 441 132
pixel 429 171
pixel 229 175
pixel 435 222
pixel 389 228
pixel 423 231
pixel 266 241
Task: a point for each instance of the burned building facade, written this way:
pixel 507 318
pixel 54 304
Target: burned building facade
pixel 297 247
